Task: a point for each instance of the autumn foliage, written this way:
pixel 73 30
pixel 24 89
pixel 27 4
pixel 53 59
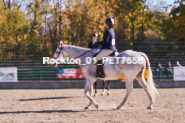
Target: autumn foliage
pixel 41 24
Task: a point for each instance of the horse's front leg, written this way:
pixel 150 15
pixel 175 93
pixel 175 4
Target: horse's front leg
pixel 90 103
pixel 103 82
pixel 91 91
pixel 108 87
pixel 88 87
pixel 95 86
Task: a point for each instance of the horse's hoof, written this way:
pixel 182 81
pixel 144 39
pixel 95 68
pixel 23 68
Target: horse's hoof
pixel 95 95
pixel 87 108
pixel 102 94
pixel 119 107
pixel 150 107
pixel 96 105
pixel 108 93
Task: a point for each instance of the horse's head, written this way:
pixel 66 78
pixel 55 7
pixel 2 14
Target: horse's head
pixel 60 53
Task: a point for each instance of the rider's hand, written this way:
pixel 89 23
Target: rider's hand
pixel 99 46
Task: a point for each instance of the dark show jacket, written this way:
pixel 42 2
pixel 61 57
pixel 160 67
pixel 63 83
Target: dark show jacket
pixel 108 37
pixel 93 46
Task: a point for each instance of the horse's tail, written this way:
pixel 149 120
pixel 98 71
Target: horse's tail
pixel 151 85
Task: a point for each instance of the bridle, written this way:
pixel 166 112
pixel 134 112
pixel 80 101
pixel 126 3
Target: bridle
pixel 61 48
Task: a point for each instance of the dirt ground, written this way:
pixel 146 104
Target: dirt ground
pixel 67 106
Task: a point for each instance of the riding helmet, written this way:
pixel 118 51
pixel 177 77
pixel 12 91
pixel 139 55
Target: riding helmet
pixel 109 21
pixel 95 35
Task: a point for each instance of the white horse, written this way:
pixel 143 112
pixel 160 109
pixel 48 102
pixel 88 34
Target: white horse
pixel 112 71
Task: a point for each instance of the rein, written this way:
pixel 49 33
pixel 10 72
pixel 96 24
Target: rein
pixel 82 54
pixel 61 48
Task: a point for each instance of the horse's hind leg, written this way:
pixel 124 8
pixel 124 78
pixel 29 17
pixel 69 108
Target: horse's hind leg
pixel 103 82
pixel 144 84
pixel 108 87
pixel 129 87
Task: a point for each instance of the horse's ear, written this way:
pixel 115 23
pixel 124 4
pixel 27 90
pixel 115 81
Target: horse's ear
pixel 61 43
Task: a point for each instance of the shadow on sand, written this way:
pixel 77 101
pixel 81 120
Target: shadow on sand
pixel 54 111
pixel 44 111
pixel 47 98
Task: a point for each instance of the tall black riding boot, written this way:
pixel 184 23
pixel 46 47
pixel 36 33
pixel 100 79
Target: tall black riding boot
pixel 100 71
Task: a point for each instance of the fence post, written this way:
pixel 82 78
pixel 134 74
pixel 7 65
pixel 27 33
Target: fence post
pixel 173 48
pixel 40 74
pixel 160 74
pixel 16 55
pixel 127 45
pixel 150 48
pixel 33 48
pixel 3 52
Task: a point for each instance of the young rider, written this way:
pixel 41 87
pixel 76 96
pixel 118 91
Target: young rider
pixel 108 46
pixel 93 44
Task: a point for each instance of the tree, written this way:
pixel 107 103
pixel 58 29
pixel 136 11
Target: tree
pixel 176 23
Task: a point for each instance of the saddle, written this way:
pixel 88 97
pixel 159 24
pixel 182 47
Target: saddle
pixel 100 72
